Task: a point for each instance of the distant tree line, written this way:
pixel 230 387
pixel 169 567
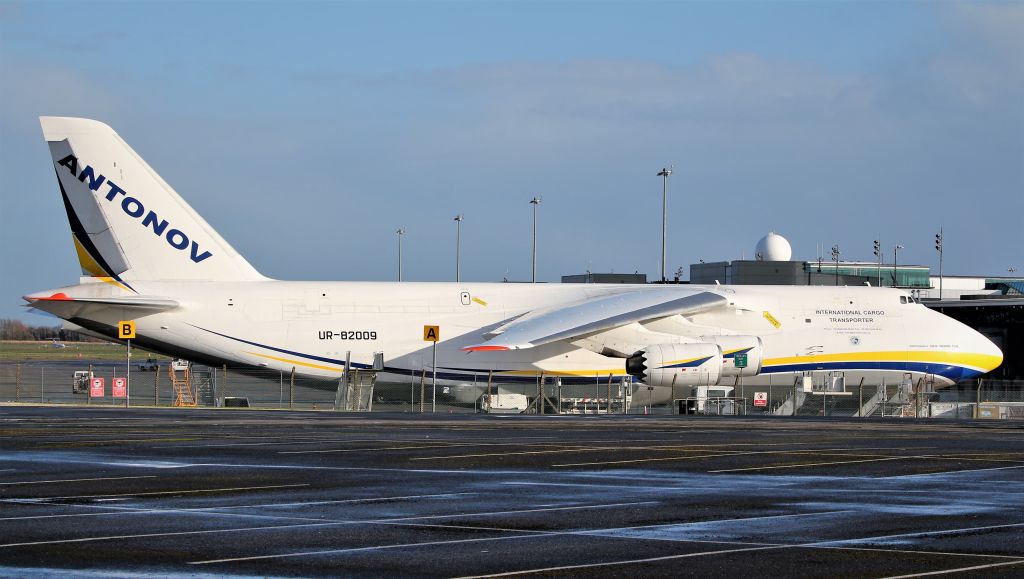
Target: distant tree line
pixel 18 330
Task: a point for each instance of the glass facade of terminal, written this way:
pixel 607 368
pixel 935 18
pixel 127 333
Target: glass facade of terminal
pixel 913 276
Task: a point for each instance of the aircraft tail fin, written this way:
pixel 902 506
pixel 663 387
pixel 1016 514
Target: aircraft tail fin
pixel 126 222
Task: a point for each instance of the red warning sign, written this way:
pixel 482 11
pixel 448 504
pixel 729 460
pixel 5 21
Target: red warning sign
pixel 96 388
pixel 118 387
pixel 760 399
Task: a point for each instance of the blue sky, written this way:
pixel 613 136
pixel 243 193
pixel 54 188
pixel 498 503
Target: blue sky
pixel 306 133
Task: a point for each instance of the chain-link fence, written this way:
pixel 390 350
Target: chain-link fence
pixel 75 383
pixel 158 385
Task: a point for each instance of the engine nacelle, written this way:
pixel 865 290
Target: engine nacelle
pixel 732 345
pixel 677 364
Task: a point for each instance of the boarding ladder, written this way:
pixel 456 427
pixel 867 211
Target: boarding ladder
pixel 181 382
pixel 355 390
pixel 917 404
pixel 203 385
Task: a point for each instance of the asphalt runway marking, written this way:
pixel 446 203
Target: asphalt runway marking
pixel 323 524
pixel 918 534
pixel 525 452
pixel 425 444
pixel 364 549
pixel 125 511
pixel 620 562
pixel 613 533
pixel 711 522
pixel 521 534
pixel 122 510
pixel 166 534
pixel 488 472
pixel 686 488
pixel 278 442
pixel 157 493
pixel 39 482
pixel 342 501
pixel 115 443
pixel 803 465
pixel 958 570
pixel 665 448
pixel 725 454
pixel 610 533
pixel 948 457
pixel 120 438
pixel 761 548
pixel 948 472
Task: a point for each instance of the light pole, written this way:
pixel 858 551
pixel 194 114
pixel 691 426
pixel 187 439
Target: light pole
pixel 835 258
pixel 664 174
pixel 878 254
pixel 938 247
pixel 458 247
pixel 895 254
pixel 535 202
pixel 400 231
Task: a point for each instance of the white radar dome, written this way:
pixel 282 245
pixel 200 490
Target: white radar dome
pixel 773 247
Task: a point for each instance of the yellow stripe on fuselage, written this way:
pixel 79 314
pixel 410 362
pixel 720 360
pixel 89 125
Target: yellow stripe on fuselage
pixel 297 362
pixel 965 359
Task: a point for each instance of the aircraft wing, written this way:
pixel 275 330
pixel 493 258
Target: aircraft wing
pixel 599 314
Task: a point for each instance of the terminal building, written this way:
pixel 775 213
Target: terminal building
pixel 993 305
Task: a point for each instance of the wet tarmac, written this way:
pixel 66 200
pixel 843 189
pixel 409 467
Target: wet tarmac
pixel 105 491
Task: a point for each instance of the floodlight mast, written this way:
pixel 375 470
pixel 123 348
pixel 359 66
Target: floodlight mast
pixel 895 257
pixel 458 247
pixel 878 254
pixel 535 202
pixel 664 174
pixel 400 231
pixel 835 258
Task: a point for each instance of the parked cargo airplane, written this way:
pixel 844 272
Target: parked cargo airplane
pixel 147 255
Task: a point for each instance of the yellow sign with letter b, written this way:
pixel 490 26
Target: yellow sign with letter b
pixel 126 329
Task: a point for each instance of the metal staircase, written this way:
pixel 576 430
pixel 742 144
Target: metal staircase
pixel 181 382
pixel 202 381
pixel 355 391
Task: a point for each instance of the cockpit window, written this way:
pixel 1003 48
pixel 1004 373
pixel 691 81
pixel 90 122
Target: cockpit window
pixel 903 299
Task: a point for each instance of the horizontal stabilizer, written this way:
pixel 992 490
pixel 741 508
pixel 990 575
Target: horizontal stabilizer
pixel 65 306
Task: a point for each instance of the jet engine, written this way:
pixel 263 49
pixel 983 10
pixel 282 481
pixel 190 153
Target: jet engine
pixel 731 346
pixel 677 364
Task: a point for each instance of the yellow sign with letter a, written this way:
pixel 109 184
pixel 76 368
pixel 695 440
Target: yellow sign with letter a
pixel 431 333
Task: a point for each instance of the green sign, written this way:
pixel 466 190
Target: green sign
pixel 740 360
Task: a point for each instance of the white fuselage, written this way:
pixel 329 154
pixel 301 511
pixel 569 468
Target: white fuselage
pixel 868 333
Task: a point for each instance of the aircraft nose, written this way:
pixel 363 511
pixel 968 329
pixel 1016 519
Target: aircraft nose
pixel 991 355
